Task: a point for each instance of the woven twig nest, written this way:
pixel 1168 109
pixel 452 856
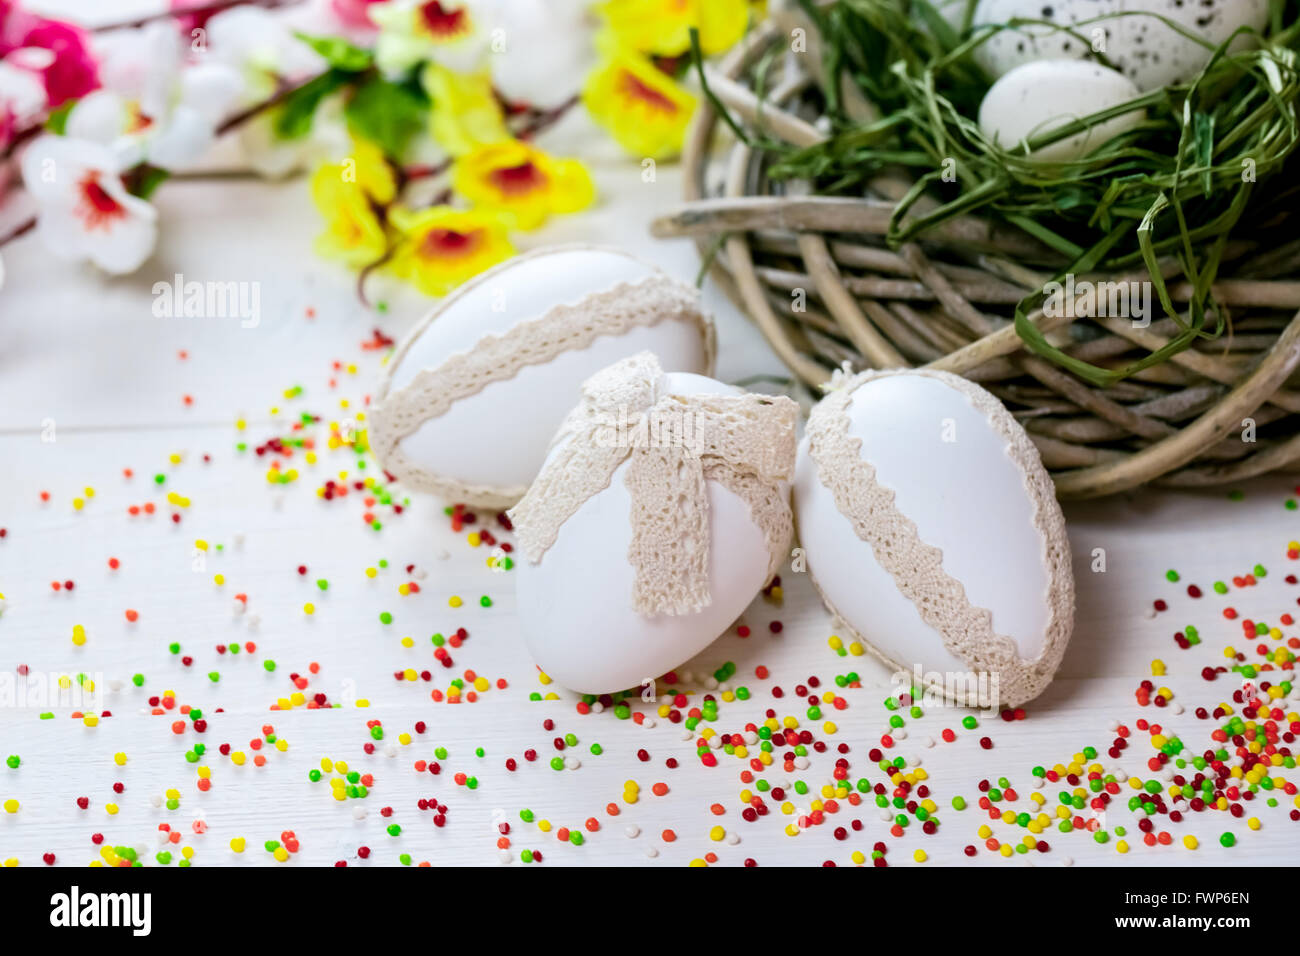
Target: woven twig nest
pixel 817 277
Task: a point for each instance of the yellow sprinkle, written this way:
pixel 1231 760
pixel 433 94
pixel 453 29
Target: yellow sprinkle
pixel 201 544
pixel 455 601
pixel 309 608
pixel 919 856
pixel 78 635
pixel 716 834
pixel 119 758
pixel 237 844
pixel 281 854
pixel 1157 668
pixel 11 806
pixel 111 808
pixel 1189 841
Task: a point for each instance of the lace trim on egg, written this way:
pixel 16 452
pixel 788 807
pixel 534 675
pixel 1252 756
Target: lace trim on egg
pixel 497 358
pixel 917 567
pixel 674 445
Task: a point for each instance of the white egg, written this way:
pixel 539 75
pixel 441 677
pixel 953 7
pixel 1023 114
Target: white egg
pixel 933 533
pixel 471 398
pixel 1036 98
pixel 1144 48
pixel 576 603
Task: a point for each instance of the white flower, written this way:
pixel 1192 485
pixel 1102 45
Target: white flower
pixel 152 107
pixel 22 99
pixel 262 50
pixel 539 51
pixel 85 211
pixel 449 32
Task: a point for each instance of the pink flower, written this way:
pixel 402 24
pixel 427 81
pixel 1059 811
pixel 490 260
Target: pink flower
pixel 67 69
pixel 189 22
pixel 354 14
pixel 72 73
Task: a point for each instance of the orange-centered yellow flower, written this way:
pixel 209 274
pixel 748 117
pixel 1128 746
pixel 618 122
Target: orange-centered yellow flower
pixel 662 27
pixel 441 247
pixel 522 183
pixel 348 195
pixel 643 109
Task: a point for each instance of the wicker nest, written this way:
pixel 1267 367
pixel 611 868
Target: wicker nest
pixel 1219 412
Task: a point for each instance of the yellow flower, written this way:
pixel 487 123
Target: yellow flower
pixel 662 27
pixel 522 183
pixel 466 113
pixel 643 109
pixel 347 194
pixel 441 247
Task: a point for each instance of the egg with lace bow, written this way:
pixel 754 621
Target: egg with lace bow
pixel 470 399
pixel 932 532
pixel 660 513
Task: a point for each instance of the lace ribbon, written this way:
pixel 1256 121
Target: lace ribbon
pixel 496 358
pixel 673 445
pixel 917 567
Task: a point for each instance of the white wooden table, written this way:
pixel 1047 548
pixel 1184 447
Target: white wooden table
pixel 84 362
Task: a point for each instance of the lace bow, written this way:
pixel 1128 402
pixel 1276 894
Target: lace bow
pixel 673 445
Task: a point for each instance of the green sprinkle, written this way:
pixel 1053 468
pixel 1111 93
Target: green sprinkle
pixel 385 618
pixel 138 680
pixel 1171 575
pixel 13 761
pixel 485 601
pixel 394 829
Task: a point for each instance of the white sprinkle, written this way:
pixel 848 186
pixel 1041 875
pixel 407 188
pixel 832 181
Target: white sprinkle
pixel 572 763
pixel 504 856
pixel 651 852
pixel 927 742
pixel 358 813
pixel 632 831
pixel 733 838
pixel 1067 861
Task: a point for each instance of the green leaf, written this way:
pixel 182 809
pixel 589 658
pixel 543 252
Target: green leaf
pixel 339 53
pixel 387 114
pixel 293 117
pixel 147 179
pixel 57 122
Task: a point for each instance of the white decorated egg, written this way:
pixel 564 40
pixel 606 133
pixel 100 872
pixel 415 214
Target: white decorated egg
pixel 1144 48
pixel 660 514
pixel 932 532
pixel 472 397
pixel 1036 98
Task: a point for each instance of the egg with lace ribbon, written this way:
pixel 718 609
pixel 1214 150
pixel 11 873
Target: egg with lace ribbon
pixel 469 400
pixel 932 531
pixel 661 512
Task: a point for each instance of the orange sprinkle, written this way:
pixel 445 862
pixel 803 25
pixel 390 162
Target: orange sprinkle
pixel 660 789
pixel 668 836
pixel 132 615
pixel 718 809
